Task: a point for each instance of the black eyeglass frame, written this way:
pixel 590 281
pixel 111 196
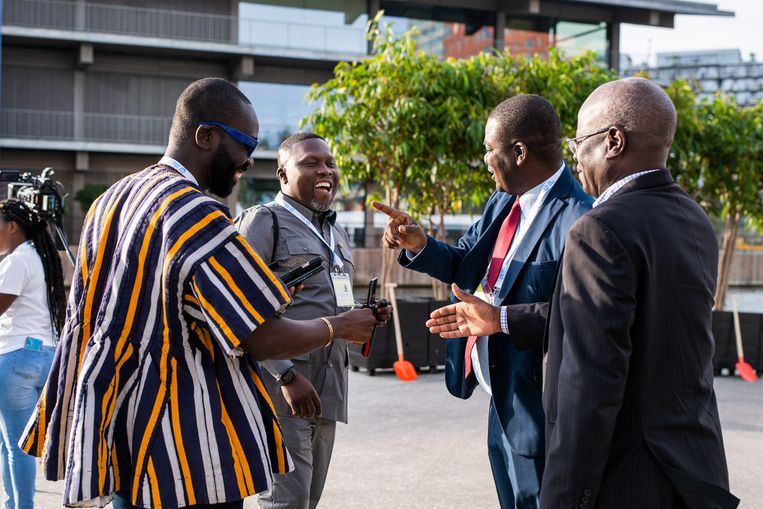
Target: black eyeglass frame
pixel 574 143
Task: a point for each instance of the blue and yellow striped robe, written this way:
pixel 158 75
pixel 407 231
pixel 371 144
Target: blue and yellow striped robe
pixel 149 390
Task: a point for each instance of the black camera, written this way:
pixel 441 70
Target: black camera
pixel 43 195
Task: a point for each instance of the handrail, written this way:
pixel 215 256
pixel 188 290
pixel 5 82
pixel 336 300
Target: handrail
pixel 242 32
pixel 20 123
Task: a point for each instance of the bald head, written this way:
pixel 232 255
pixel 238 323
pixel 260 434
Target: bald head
pixel 638 106
pixel 624 127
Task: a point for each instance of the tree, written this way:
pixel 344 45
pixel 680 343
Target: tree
pixel 414 124
pixel 403 119
pixel 716 158
pixel 87 195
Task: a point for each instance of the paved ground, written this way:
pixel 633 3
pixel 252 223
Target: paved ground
pixel 411 445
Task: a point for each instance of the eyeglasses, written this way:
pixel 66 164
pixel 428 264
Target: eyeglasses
pixel 246 140
pixel 574 142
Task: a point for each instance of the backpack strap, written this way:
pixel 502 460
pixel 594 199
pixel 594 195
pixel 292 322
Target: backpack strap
pixel 275 232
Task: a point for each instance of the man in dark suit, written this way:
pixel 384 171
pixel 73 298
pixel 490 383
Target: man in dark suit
pixel 508 256
pixel 631 415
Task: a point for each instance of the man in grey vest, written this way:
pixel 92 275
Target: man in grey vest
pixel 309 392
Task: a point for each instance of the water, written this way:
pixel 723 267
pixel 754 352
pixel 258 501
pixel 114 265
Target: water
pixel 749 299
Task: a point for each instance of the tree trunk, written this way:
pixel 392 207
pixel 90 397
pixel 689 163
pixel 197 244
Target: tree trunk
pixel 730 230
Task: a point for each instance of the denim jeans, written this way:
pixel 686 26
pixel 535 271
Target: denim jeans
pixel 23 373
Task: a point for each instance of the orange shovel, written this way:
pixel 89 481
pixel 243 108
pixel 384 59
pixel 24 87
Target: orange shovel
pixel 403 369
pixel 745 370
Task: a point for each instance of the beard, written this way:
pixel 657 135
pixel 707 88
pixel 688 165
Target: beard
pixel 318 206
pixel 223 170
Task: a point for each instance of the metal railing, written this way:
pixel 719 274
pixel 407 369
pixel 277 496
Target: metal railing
pixel 181 25
pixel 36 124
pixel 87 127
pixel 29 124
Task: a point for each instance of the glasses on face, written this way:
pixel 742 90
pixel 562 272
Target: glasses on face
pixel 573 143
pixel 246 140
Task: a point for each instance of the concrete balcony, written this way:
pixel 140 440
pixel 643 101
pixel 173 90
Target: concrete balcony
pixel 181 30
pixel 100 132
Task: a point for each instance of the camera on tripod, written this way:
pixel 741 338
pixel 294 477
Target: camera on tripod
pixel 40 193
pixel 43 195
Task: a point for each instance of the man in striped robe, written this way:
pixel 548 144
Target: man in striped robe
pixel 152 398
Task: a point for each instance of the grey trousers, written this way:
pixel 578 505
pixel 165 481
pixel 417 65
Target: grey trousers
pixel 310 443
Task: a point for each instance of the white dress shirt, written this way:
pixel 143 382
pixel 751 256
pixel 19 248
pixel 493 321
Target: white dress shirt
pixel 608 192
pixel 530 203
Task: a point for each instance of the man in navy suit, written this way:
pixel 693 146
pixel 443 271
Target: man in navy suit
pixel 508 256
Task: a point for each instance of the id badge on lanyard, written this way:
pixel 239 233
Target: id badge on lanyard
pixel 342 289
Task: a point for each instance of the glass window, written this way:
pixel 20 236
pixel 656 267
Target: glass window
pixel 573 38
pixel 279 108
pixel 312 26
pixel 255 191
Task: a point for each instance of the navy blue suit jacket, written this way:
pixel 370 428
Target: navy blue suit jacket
pixel 516 375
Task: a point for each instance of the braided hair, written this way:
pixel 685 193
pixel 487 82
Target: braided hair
pixel 35 229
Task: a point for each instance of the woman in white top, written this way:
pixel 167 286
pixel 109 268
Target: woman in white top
pixel 32 308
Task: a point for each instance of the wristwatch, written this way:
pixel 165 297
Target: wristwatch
pixel 287 376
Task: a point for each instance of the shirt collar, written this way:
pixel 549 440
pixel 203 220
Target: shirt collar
pixel 611 190
pixel 26 245
pixel 528 199
pixel 175 165
pixel 309 213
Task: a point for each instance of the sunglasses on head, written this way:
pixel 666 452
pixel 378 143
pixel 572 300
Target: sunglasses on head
pixel 246 140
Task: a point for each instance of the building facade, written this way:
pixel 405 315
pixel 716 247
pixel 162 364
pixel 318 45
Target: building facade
pixel 710 72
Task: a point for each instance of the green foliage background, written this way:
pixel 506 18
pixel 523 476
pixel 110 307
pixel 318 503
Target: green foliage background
pixel 412 125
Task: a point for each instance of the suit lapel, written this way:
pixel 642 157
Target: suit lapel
pixel 548 211
pixel 479 256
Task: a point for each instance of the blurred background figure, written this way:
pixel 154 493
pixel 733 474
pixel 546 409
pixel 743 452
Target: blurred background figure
pixel 32 303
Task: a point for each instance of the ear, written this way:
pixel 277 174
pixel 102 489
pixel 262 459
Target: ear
pixel 520 153
pixel 13 227
pixel 281 175
pixel 616 142
pixel 206 137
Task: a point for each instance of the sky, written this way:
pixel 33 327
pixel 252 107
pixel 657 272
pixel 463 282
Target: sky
pixel 743 32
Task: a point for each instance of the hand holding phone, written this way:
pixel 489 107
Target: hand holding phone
pixel 370 303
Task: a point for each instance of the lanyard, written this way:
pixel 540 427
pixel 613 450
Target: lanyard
pixel 178 167
pixel 336 260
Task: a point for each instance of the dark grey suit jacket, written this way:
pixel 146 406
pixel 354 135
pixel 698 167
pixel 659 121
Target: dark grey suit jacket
pixel 631 415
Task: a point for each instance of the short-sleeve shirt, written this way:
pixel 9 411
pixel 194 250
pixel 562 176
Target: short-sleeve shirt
pixel 149 390
pixel 22 274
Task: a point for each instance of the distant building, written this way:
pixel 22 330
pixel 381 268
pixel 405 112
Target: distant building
pixel 704 57
pixel 458 44
pixel 711 71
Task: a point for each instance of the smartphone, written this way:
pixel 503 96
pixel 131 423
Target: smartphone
pixel 295 270
pixel 370 302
